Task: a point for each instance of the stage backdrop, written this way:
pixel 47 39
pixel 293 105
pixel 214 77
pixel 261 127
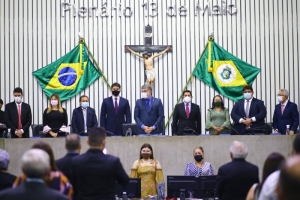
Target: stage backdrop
pixel 35 33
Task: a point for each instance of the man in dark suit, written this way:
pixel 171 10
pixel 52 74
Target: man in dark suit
pixel 35 164
pixel 84 117
pixel 148 112
pixel 73 147
pixel 6 179
pixel 18 116
pixel 115 111
pixel 248 114
pixel 186 117
pixel 285 113
pixel 2 118
pixel 236 177
pixel 94 174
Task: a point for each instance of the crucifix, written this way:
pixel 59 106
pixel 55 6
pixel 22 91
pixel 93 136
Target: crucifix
pixel 147 50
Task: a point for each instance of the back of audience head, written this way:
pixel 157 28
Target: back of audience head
pixel 4 160
pixel 73 143
pixel 96 137
pixel 35 163
pixel 1 103
pixel 238 150
pixel 272 164
pixel 46 147
pixel 296 145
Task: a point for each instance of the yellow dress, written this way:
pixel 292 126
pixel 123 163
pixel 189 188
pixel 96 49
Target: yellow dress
pixel 150 177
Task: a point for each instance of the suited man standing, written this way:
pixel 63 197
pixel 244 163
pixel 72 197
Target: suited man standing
pixel 148 112
pixel 94 174
pixel 285 113
pixel 18 116
pixel 115 111
pixel 236 177
pixel 248 114
pixel 84 117
pixel 2 118
pixel 186 117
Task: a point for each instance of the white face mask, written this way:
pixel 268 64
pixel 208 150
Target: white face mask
pixel 187 99
pixel 18 99
pixel 85 104
pixel 279 98
pixel 144 95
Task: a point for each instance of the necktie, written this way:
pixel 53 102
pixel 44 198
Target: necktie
pixel 247 108
pixel 282 108
pixel 148 104
pixel 19 117
pixel 187 110
pixel 116 105
pixel 84 118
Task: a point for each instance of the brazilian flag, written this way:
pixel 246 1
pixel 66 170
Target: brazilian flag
pixel 223 71
pixel 68 75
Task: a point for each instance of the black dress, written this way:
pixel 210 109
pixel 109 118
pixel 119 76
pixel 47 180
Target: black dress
pixel 55 120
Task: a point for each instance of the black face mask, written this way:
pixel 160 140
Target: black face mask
pixel 116 93
pixel 218 103
pixel 146 155
pixel 198 158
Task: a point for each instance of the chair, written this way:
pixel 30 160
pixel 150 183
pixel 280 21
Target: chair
pixel 36 128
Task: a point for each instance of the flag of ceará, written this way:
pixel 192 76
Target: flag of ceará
pixel 68 75
pixel 223 71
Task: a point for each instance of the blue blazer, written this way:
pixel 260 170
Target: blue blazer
pixel 78 120
pixel 112 121
pixel 152 117
pixel 257 109
pixel 290 117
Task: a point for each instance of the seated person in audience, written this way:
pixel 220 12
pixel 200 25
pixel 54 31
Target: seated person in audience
pixel 55 118
pixel 6 179
pixel 57 180
pixel 199 167
pixel 217 118
pixel 35 165
pixel 272 163
pixel 149 170
pixel 2 119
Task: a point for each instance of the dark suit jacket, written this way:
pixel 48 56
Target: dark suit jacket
pixel 152 117
pixel 2 120
pixel 32 191
pixel 78 120
pixel 235 179
pixel 11 115
pixel 6 180
pixel 111 121
pixel 290 117
pixel 94 175
pixel 180 121
pixel 64 164
pixel 257 109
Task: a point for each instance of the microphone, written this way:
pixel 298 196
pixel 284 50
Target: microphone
pixel 110 134
pixel 187 129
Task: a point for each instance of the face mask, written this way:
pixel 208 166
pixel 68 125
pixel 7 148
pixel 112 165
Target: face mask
pixel 85 104
pixel 198 158
pixel 144 95
pixel 187 99
pixel 247 95
pixel 217 103
pixel 18 99
pixel 115 93
pixel 279 98
pixel 146 155
pixel 54 102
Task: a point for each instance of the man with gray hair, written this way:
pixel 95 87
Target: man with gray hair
pixel 35 164
pixel 236 177
pixel 6 179
pixel 148 113
pixel 285 113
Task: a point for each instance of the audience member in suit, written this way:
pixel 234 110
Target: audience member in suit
pixel 115 111
pixel 148 112
pixel 2 118
pixel 236 177
pixel 18 116
pixel 6 179
pixel 36 166
pixel 84 117
pixel 94 174
pixel 186 117
pixel 73 147
pixel 55 118
pixel 248 114
pixel 285 113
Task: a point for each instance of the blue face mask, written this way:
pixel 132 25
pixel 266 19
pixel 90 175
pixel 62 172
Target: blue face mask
pixel 85 104
pixel 247 95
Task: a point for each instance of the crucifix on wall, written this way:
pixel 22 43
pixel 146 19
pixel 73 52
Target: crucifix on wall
pixel 148 49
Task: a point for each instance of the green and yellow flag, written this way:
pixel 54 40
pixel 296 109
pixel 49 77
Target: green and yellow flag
pixel 224 72
pixel 68 75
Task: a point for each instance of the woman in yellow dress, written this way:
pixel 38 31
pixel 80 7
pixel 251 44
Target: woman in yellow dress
pixel 149 170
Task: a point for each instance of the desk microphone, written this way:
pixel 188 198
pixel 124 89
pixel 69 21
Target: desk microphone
pixel 187 129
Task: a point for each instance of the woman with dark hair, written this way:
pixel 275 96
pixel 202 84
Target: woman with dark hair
pixel 217 119
pixel 272 164
pixel 149 170
pixel 57 180
pixel 55 118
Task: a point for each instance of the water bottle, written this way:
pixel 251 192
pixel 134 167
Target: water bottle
pixel 287 132
pixel 161 191
pixel 8 133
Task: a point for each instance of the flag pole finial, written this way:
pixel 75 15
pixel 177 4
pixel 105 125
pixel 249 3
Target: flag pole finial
pixel 81 40
pixel 211 36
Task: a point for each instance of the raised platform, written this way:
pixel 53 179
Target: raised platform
pixel 172 152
